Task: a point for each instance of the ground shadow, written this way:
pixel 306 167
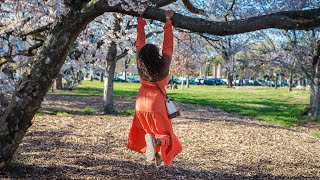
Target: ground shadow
pixel 85 165
pixel 120 169
pixel 75 105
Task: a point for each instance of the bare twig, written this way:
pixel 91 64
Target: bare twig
pixel 39 30
pixel 192 8
pixel 29 51
pixel 230 9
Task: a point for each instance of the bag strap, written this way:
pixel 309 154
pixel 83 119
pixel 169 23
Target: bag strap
pixel 161 90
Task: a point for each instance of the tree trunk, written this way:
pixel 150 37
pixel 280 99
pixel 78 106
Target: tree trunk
pixel 108 106
pixel 207 71
pixel 276 83
pixel 125 75
pixel 32 88
pixel 290 80
pixel 101 76
pixel 182 83
pixel 79 77
pixel 126 65
pixel 91 73
pixel 314 100
pixel 315 86
pixel 188 86
pixel 229 79
pixel 59 82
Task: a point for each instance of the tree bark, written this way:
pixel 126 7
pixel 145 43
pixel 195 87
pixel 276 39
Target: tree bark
pixel 188 85
pixel 101 76
pixel 108 106
pixel 126 66
pixel 32 88
pixel 276 82
pixel 314 100
pixel 315 86
pixel 290 80
pixel 229 78
pixel 289 20
pixel 59 82
pixel 79 80
pixel 91 73
pixel 125 75
pixel 207 71
pixel 182 84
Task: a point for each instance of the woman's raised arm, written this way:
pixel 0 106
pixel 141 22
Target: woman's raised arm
pixel 168 35
pixel 141 35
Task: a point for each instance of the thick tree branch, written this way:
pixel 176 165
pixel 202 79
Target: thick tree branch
pixel 161 3
pixel 75 4
pixel 298 20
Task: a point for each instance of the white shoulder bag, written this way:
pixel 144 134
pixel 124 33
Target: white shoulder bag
pixel 171 108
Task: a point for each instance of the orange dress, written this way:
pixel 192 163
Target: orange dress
pixel 150 112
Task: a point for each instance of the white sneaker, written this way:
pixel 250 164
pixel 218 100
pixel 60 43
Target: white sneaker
pixel 151 147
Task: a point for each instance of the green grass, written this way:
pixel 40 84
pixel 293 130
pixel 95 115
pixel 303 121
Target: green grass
pixel 88 111
pixel 263 103
pixel 57 112
pixel 316 134
pixel 186 142
pixel 95 88
pixel 129 112
pixel 39 114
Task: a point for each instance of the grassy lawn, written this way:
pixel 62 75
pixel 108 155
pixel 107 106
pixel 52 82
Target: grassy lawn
pixel 263 103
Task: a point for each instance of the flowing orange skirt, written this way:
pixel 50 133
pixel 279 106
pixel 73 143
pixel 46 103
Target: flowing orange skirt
pixel 151 117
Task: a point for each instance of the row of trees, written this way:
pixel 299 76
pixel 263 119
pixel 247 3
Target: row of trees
pixel 44 34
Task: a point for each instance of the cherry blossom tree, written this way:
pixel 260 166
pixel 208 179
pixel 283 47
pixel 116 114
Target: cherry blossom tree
pixel 63 28
pixel 188 50
pixel 304 49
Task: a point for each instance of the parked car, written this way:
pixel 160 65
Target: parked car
pixel 219 81
pixel 283 83
pixel 261 82
pixel 192 81
pixel 225 81
pixel 209 81
pixel 199 81
pixel 177 81
pixel 118 79
pixel 236 82
pixel 254 83
pixel 272 83
pixel 133 79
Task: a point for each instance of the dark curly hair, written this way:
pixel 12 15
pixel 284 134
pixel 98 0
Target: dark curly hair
pixel 150 61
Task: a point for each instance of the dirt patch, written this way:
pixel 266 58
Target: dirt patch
pixel 309 125
pixel 217 145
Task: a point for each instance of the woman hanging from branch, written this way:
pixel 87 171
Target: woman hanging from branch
pixel 151 130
